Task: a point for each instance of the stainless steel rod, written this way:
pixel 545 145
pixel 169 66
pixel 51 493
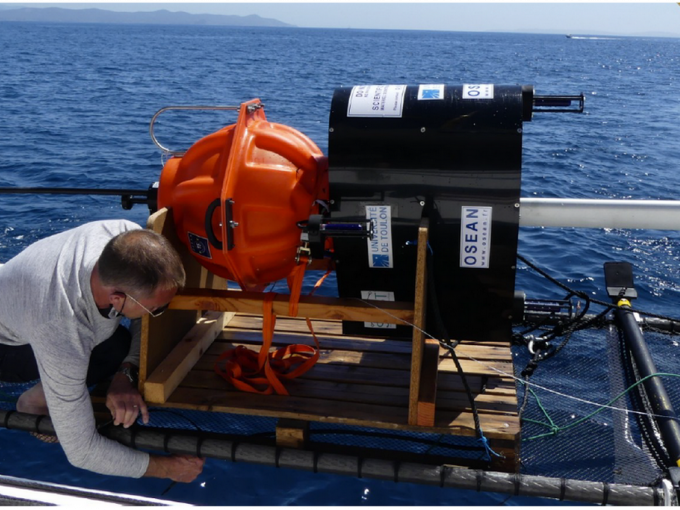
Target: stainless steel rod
pixel 600 213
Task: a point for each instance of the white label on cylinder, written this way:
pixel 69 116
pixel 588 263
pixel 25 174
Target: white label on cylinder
pixel 484 91
pixel 376 101
pixel 475 236
pixel 380 246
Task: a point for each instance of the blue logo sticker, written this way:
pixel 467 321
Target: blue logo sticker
pixel 199 245
pixel 381 261
pixel 431 94
pixel 430 91
pixel 380 245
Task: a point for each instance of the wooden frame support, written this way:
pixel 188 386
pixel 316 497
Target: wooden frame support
pixel 308 306
pixel 427 394
pixel 174 368
pixel 292 433
pixel 378 382
pixel 425 352
pixel 161 334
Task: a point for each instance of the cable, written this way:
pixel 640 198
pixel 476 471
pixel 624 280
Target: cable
pixel 446 342
pixel 568 328
pixel 583 295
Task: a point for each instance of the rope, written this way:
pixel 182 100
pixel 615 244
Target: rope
pixel 554 429
pixel 262 372
pixel 546 350
pixel 502 372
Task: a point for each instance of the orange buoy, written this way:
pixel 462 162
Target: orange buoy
pixel 237 196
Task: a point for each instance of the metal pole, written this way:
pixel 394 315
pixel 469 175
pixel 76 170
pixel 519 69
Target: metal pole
pixel 72 191
pixel 600 213
pixel 534 212
pixel 656 392
pixel 128 197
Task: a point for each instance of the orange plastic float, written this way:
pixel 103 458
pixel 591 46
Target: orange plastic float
pixel 238 194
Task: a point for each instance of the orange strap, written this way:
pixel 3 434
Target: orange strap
pixel 261 373
pixel 320 281
pixel 295 285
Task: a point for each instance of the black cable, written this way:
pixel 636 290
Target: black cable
pixel 567 328
pixel 583 295
pixel 563 328
pixel 443 333
pixel 430 443
pixel 577 326
pixel 167 489
pixel 534 327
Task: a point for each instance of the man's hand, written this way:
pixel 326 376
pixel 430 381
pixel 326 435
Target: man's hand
pixel 125 402
pixel 179 468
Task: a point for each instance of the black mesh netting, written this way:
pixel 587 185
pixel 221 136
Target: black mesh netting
pixel 572 426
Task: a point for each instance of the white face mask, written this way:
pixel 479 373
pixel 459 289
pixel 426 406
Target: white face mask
pixel 112 313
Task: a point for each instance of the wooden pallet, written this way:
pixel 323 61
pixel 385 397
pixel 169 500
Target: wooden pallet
pixel 378 382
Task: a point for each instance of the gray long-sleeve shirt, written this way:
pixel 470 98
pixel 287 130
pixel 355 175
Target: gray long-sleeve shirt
pixel 46 301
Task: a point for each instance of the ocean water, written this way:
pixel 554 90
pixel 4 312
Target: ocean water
pixel 76 100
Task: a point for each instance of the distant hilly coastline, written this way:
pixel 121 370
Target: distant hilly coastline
pixel 160 17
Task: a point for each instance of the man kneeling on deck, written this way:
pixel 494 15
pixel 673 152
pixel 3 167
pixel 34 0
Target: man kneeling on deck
pixel 61 303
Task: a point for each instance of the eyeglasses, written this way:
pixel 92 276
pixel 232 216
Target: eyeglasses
pixel 157 311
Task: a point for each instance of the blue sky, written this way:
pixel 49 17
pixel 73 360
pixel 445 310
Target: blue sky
pixel 638 18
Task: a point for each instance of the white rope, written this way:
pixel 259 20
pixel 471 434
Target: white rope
pixel 501 372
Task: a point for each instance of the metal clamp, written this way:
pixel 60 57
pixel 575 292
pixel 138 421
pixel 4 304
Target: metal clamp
pixel 303 251
pixel 254 107
pixel 538 344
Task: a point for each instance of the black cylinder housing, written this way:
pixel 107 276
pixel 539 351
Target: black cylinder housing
pixel 451 153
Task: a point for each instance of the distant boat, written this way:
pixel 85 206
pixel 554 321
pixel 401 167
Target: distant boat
pixel 593 38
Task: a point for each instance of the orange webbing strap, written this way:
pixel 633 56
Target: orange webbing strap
pixel 320 282
pixel 261 373
pixel 295 285
pixel 295 281
pixel 240 369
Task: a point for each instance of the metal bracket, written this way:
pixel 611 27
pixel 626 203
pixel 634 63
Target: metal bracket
pixel 303 251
